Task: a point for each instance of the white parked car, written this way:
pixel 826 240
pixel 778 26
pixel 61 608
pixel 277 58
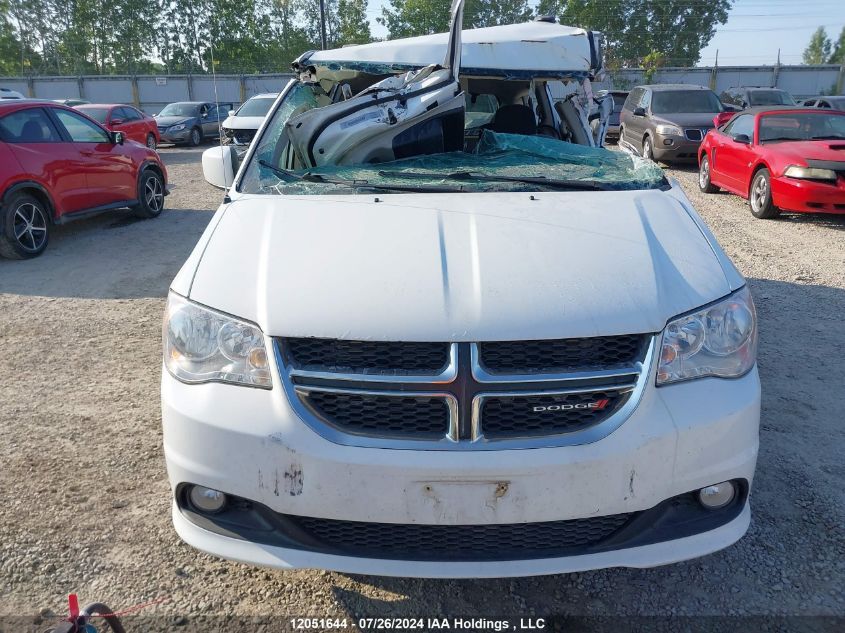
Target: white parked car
pixel 8 93
pixel 415 343
pixel 240 126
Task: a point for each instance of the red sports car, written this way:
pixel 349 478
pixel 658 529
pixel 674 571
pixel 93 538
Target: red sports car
pixel 134 124
pixel 56 164
pixel 790 159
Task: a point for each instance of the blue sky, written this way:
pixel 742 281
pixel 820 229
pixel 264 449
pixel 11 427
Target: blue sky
pixel 754 32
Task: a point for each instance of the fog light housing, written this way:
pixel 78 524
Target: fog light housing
pixel 668 141
pixel 207 499
pixel 717 496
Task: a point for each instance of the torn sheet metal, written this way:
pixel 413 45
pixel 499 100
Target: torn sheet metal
pixel 368 127
pixel 527 50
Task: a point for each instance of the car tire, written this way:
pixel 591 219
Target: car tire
pixel 760 196
pixel 150 195
pixel 151 141
pixel 704 176
pixel 648 148
pixel 26 227
pixel 195 137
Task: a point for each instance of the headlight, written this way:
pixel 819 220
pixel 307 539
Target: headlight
pixel 809 173
pixel 201 345
pixel 176 128
pixel 669 130
pixel 719 340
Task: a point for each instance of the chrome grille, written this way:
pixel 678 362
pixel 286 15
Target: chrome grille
pixel 445 396
pixel 696 134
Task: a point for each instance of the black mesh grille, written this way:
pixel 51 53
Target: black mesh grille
pixel 526 416
pixel 378 357
pixel 459 542
pixel 243 137
pixel 561 355
pixel 385 416
pixel 694 135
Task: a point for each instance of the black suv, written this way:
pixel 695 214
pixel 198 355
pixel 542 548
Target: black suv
pixel 750 96
pixel 667 122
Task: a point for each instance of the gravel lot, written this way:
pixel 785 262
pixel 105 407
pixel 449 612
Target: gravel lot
pixel 86 501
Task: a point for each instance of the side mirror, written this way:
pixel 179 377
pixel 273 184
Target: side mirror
pixel 723 117
pixel 219 165
pixel 231 113
pixel 117 138
pixel 204 115
pixel 741 138
pixel 117 121
pixel 639 111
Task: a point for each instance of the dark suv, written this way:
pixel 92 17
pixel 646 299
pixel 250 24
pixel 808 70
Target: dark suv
pixel 667 122
pixel 750 96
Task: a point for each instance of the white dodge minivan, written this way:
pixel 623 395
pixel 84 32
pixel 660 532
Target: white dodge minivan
pixel 434 331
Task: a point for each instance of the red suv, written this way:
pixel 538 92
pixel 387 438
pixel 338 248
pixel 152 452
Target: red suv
pixel 134 124
pixel 57 164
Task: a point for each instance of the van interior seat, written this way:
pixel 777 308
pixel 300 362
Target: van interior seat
pixel 514 119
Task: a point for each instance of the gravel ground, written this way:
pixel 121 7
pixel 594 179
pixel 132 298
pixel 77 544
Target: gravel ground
pixel 86 501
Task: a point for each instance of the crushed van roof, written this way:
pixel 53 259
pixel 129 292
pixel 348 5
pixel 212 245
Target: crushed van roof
pixel 527 50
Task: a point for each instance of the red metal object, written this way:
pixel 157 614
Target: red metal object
pixel 73 607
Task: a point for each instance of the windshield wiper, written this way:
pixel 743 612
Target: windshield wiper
pixel 289 176
pixel 586 185
pixel 827 137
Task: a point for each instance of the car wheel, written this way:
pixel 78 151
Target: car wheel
pixel 760 196
pixel 704 176
pixel 26 227
pixel 150 194
pixel 648 150
pixel 151 141
pixel 196 137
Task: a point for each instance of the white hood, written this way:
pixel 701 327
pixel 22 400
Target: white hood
pixel 243 122
pixel 459 267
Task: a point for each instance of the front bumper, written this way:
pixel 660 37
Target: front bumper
pixel 794 194
pixel 672 149
pixel 250 443
pixel 167 136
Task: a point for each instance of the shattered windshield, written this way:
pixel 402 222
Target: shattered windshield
pixel 500 162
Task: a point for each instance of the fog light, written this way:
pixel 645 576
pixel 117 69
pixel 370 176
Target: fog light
pixel 717 496
pixel 206 499
pixel 668 141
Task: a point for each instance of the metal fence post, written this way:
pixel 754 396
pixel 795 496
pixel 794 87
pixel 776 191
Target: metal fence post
pixel 840 79
pixel 30 86
pixel 190 87
pixel 243 88
pixel 80 83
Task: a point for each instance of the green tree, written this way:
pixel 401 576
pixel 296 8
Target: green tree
pixel 632 29
pixel 309 12
pixel 838 54
pixel 818 50
pixel 353 26
pixel 407 18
